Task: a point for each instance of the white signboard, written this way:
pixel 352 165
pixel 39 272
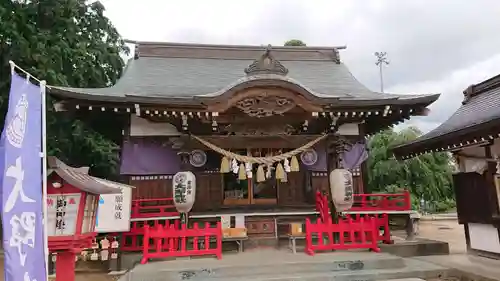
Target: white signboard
pixel 239 221
pixel 225 221
pixel 62 213
pixel 113 212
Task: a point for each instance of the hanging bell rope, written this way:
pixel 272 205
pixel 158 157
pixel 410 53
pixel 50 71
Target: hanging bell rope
pixel 259 160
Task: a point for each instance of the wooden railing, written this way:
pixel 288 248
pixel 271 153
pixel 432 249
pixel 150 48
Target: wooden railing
pixel 344 235
pixel 368 203
pixel 164 207
pixel 381 202
pixel 170 241
pixel 153 208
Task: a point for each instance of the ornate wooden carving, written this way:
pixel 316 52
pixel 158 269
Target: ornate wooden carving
pixel 340 144
pixel 276 93
pixel 259 130
pixel 265 105
pixel 266 64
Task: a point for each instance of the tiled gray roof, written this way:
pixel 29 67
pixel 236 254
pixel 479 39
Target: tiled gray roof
pixel 181 78
pixel 479 109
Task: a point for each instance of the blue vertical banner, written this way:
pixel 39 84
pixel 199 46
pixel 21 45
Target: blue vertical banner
pixel 22 200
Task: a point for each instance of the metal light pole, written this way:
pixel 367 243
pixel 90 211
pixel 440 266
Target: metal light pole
pixel 381 60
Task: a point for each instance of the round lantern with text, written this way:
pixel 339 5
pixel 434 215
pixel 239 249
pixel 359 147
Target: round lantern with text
pixel 184 191
pixel 341 189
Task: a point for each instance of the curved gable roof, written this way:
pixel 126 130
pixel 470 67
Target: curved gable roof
pixel 185 71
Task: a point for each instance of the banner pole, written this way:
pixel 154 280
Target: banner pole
pixel 43 156
pixel 44 174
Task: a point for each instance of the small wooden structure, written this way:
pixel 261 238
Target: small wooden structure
pixel 72 201
pixel 210 108
pixel 472 135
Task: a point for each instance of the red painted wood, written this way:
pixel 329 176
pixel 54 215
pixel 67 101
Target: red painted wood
pixel 381 223
pixel 65 266
pixel 322 206
pixel 164 207
pixel 152 208
pixel 368 203
pixel 347 232
pixel 133 239
pixel 166 241
pixel 382 202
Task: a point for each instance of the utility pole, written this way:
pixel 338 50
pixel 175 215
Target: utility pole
pixel 381 60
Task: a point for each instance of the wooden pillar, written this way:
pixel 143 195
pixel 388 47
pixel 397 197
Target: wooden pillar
pixel 490 178
pixel 184 154
pixel 65 266
pixel 125 137
pixel 332 163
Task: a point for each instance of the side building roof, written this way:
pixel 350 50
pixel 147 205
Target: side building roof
pixel 477 120
pixel 188 73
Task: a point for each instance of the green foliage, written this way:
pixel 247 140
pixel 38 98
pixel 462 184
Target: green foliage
pixel 427 176
pixel 67 43
pixel 295 42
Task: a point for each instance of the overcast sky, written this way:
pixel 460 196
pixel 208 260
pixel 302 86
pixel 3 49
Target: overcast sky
pixel 433 46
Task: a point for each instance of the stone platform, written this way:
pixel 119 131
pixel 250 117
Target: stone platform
pixel 468 267
pixel 416 247
pixel 262 265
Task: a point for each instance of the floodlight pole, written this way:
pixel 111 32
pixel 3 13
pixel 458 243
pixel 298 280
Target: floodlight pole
pixel 381 60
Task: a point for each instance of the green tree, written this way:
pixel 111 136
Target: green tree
pixel 427 176
pixel 295 42
pixel 67 43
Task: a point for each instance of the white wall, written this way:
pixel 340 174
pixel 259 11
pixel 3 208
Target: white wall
pixel 143 127
pixel 348 129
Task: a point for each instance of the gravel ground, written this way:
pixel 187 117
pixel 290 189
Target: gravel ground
pixel 447 231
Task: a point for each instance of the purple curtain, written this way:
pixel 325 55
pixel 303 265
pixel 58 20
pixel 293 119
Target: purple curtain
pixel 320 165
pixel 148 157
pixel 354 156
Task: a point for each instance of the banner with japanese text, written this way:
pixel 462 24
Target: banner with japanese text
pixel 22 205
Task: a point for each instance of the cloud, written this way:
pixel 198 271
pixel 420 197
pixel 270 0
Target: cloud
pixel 433 46
pixel 451 88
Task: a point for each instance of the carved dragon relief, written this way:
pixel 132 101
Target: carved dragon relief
pixel 264 105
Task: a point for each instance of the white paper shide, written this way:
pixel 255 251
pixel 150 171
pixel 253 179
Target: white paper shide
pixel 341 189
pixel 184 191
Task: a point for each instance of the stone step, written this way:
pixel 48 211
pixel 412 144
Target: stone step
pixel 406 279
pixel 247 266
pixel 413 273
pixel 285 272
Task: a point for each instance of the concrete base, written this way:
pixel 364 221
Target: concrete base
pixel 418 247
pixel 275 265
pixel 467 267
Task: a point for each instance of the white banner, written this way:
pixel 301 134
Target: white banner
pixel 113 213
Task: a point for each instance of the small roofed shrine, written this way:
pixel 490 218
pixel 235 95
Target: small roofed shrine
pixel 471 134
pixel 80 178
pixel 72 203
pixel 260 127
